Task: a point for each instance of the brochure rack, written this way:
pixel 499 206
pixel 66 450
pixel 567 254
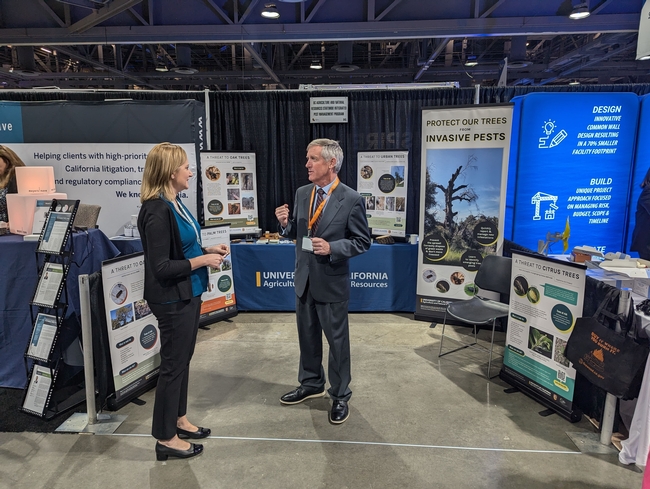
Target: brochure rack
pixel 54 252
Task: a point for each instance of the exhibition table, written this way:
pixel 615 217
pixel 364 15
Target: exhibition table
pixel 382 279
pixel 19 270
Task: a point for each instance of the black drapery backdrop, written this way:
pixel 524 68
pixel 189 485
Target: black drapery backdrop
pixel 275 125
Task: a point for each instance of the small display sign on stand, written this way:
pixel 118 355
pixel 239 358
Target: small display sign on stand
pixel 39 390
pixel 58 225
pixel 44 335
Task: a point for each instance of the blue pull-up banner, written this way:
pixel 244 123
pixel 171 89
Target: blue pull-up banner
pixel 574 161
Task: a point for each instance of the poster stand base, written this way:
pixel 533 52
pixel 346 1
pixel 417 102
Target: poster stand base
pixel 590 443
pixel 207 320
pixel 78 423
pixel 572 416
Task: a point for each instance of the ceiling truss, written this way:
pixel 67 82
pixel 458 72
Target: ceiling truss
pixel 135 43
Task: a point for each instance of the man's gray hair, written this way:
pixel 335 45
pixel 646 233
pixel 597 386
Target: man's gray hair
pixel 331 149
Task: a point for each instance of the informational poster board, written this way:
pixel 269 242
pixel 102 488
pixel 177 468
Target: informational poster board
pixel 546 299
pixel 382 180
pixel 134 339
pixel 464 170
pixel 219 301
pixel 326 110
pixel 109 176
pixel 230 191
pixel 98 149
pixel 574 160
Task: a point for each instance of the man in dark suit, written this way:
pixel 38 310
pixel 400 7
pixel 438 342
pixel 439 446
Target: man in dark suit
pixel 330 226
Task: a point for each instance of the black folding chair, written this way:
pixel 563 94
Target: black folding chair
pixel 494 275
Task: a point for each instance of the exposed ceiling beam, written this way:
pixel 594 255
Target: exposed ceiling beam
pixel 263 64
pixel 72 54
pixel 306 32
pixel 492 8
pixel 298 54
pixel 594 60
pixel 388 9
pixel 248 11
pixel 138 17
pixel 218 10
pixel 601 6
pixel 52 13
pixel 101 15
pixel 432 58
pixel 586 50
pixel 313 11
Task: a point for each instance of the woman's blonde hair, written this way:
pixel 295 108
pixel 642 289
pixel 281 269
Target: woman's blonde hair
pixel 162 161
pixel 12 160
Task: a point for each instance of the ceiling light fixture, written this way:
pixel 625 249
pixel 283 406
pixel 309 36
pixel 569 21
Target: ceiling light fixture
pixel 270 11
pixel 161 67
pixel 574 82
pixel 580 11
pixel 316 65
pixel 471 60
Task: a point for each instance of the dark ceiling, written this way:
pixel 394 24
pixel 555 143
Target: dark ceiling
pixel 228 45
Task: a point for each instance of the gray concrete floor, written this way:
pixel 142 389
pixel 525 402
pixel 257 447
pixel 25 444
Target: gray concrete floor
pixel 416 421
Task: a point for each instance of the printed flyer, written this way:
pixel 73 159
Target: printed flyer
pixel 462 206
pixel 546 299
pixel 219 300
pixel 38 391
pixel 383 183
pixel 230 191
pixel 133 333
pixel 43 336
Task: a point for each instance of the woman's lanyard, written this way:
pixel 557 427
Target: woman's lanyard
pixel 183 213
pixel 320 208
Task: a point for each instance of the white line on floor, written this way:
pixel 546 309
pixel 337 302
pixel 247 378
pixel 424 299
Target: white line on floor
pixel 383 444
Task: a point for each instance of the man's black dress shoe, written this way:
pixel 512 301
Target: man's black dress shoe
pixel 300 394
pixel 339 412
pixel 163 452
pixel 195 435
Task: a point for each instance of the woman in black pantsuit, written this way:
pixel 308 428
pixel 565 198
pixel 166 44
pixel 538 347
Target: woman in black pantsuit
pixel 176 275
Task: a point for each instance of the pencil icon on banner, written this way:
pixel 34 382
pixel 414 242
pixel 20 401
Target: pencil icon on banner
pixel 258 279
pixel 558 138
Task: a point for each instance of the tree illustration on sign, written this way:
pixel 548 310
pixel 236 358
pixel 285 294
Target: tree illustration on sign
pixel 460 193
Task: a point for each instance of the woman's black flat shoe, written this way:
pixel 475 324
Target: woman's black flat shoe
pixel 195 435
pixel 163 452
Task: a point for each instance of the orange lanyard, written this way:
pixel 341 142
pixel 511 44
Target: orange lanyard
pixel 320 208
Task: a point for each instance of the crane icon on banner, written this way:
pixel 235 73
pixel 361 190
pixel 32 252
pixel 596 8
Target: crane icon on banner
pixel 549 213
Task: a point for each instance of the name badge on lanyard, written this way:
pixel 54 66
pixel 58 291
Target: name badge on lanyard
pixel 315 214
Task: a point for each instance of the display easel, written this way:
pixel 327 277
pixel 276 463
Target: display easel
pixel 49 303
